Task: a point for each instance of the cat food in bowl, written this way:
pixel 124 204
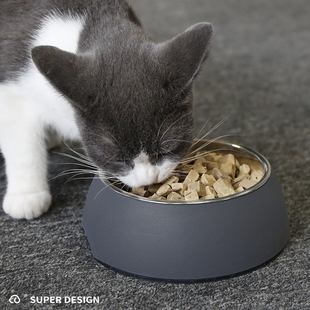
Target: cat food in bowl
pixel 206 175
pixel 187 240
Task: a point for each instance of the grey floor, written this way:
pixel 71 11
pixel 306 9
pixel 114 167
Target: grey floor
pixel 259 71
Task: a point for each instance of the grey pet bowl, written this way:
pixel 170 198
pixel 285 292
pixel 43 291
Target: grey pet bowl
pixel 186 241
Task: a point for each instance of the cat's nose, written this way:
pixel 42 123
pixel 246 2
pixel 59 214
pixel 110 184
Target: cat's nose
pixel 148 179
pixel 144 173
pixel 141 177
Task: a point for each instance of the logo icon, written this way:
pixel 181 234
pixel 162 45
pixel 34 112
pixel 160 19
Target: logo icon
pixel 14 299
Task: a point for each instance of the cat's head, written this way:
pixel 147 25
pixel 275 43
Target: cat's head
pixel 133 101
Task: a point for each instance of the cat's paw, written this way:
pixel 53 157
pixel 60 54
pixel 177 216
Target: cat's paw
pixel 28 206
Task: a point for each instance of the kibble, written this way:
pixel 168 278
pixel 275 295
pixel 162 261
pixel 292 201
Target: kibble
pixel 191 195
pixel 174 196
pixel 223 188
pixel 164 190
pixel 212 175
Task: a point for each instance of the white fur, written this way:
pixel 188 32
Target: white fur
pixel 28 107
pixel 144 173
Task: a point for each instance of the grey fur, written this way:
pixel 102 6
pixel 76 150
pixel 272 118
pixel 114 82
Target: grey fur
pixel 130 94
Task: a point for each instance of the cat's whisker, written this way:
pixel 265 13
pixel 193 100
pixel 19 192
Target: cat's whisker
pixel 101 136
pixel 79 170
pixel 81 178
pixel 197 156
pixel 76 174
pixel 201 130
pixel 163 122
pixel 84 161
pixel 209 142
pixel 193 158
pixel 211 130
pixel 215 139
pixel 179 119
pixel 76 164
pixel 70 171
pixel 220 123
pixel 106 185
pixel 123 186
pixel 83 156
pixel 188 159
pixel 166 152
pixel 178 140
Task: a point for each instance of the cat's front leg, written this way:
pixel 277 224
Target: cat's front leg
pixel 27 193
pixel 23 146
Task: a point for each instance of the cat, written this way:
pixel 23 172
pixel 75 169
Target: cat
pixel 87 70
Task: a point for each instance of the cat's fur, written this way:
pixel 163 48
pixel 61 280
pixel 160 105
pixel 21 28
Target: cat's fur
pixel 86 69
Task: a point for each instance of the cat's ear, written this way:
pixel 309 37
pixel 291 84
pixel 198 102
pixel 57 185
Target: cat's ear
pixel 184 54
pixel 63 69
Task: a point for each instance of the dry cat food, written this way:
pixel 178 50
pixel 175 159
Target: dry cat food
pixel 212 175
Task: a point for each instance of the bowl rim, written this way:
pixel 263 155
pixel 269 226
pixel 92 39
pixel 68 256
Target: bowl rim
pixel 236 147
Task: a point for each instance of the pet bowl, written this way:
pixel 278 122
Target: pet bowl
pixel 187 241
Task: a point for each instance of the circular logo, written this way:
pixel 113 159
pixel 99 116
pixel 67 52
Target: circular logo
pixel 14 299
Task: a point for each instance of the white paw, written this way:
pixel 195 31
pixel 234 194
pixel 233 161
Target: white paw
pixel 29 206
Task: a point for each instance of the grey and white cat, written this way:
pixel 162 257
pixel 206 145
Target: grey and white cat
pixel 87 69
